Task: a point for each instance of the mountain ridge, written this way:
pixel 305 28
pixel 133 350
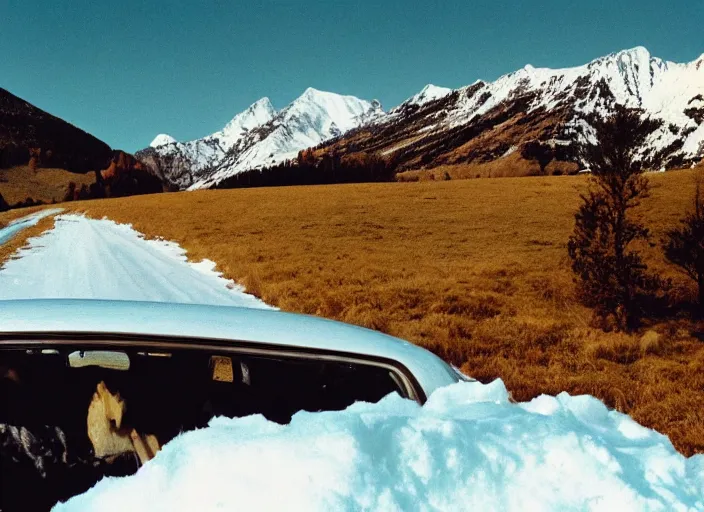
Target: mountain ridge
pixel 256 137
pixel 535 118
pixel 541 116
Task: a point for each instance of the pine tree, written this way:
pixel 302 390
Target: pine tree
pixel 611 276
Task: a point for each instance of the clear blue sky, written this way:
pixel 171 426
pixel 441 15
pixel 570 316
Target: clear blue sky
pixel 127 70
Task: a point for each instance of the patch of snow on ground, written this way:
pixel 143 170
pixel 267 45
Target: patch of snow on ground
pixel 84 258
pixel 18 225
pixel 468 448
pixel 509 151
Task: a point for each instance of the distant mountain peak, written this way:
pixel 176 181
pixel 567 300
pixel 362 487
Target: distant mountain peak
pixel 264 102
pixel 312 91
pixel 312 94
pixel 547 109
pixel 161 140
pixel 636 51
pixel 328 112
pixel 258 113
pixel 637 56
pixel 260 136
pixel 429 93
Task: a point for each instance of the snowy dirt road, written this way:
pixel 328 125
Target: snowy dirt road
pixel 99 259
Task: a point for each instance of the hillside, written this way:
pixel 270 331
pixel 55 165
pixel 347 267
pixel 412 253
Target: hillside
pixel 27 132
pixel 475 270
pixel 45 185
pixel 45 159
pixel 536 120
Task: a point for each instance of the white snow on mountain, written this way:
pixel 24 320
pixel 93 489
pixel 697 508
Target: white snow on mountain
pixel 314 117
pixel 256 115
pixel 631 78
pixel 188 161
pixel 161 140
pixel 429 93
pixel 259 137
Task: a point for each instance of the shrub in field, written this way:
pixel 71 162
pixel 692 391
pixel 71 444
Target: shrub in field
pixel 611 275
pixel 684 245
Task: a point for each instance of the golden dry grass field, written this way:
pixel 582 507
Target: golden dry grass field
pixel 475 270
pixel 19 183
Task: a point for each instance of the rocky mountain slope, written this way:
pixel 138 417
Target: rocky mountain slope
pixel 258 137
pixel 180 164
pixel 532 121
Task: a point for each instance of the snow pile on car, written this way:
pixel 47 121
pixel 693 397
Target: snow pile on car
pixel 468 448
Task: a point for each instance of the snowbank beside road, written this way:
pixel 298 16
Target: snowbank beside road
pixel 99 259
pixel 468 448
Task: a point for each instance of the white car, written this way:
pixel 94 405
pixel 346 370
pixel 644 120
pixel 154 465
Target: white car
pixel 95 388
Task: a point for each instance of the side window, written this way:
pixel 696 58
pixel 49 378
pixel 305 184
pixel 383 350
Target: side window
pixel 278 388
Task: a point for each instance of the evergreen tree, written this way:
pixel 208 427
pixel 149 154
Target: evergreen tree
pixel 611 275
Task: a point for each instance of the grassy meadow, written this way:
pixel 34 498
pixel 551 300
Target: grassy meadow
pixel 46 185
pixel 474 270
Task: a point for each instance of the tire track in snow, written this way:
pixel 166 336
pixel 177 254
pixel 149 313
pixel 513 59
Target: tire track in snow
pixel 100 259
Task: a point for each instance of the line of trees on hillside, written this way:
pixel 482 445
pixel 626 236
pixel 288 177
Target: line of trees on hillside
pixel 311 169
pixel 125 176
pixel 612 277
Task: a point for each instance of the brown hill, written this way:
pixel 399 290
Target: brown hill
pixel 45 159
pixel 30 136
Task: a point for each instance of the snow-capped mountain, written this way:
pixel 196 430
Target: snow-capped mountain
pixel 429 93
pixel 260 136
pixel 314 117
pixel 531 121
pixel 179 164
pixel 162 140
pixel 631 78
pixel 536 119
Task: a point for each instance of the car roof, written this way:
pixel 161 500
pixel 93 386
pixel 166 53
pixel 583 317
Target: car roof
pixel 255 326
